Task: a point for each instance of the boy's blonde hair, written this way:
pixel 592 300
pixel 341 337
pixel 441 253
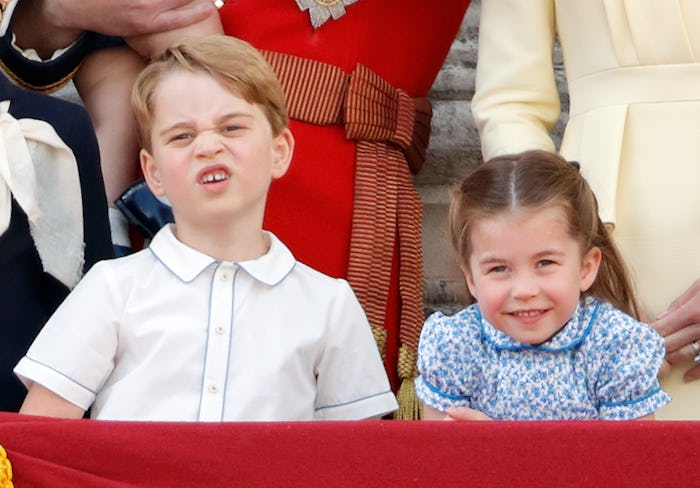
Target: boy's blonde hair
pixel 235 64
pixel 534 180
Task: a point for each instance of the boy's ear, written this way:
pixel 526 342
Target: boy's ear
pixel 282 149
pixel 589 267
pixel 151 173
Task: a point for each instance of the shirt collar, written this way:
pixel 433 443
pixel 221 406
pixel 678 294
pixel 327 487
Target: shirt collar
pixel 187 263
pixel 571 335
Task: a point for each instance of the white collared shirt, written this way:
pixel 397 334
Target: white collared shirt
pixel 170 333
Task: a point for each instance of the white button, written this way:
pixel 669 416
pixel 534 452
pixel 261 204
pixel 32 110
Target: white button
pixel 219 330
pixel 213 389
pixel 223 276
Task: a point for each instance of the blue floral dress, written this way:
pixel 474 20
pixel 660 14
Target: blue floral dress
pixel 602 365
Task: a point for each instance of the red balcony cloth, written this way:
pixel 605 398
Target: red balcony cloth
pixel 49 452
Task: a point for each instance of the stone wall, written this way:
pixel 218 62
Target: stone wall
pixel 454 150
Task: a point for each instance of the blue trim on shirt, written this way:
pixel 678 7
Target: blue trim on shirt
pixel 442 394
pixel 543 348
pixel 62 374
pixel 206 347
pixel 632 402
pixel 230 339
pixel 353 401
pixel 155 255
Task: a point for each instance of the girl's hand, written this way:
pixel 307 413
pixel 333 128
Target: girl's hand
pixel 464 413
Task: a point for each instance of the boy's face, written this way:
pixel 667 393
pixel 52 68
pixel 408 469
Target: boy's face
pixel 213 153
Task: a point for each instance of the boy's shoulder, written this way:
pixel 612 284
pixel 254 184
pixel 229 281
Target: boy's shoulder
pixel 317 283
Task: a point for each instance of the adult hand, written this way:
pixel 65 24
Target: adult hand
pixel 127 17
pixel 464 413
pixel 680 325
pixel 47 25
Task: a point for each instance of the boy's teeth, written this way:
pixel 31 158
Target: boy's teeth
pixel 220 176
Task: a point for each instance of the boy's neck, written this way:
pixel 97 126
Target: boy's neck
pixel 227 243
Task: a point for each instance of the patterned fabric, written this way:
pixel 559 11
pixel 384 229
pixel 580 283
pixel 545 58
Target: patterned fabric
pixel 601 365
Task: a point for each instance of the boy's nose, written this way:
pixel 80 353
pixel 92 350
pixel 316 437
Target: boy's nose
pixel 208 144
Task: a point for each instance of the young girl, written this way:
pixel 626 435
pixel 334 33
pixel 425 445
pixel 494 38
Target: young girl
pixel 104 82
pixel 552 333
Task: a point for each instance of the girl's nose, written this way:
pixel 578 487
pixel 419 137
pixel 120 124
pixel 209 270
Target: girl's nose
pixel 525 286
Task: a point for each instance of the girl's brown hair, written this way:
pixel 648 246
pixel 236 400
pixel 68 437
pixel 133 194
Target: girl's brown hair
pixel 532 180
pixel 234 63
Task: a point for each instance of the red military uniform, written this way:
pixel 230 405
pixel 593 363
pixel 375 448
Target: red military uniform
pixel 347 205
pixel 402 42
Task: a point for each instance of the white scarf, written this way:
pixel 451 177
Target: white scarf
pixel 40 171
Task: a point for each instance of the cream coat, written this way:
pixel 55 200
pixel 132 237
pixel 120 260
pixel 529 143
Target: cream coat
pixel 633 73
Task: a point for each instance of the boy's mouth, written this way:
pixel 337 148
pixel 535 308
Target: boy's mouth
pixel 214 177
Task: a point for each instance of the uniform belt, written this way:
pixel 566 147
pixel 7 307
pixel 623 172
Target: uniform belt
pixel 392 131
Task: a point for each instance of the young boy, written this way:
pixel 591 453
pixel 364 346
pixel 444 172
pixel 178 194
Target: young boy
pixel 215 320
pixel 104 82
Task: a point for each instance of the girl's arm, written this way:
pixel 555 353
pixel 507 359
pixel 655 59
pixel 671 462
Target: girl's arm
pixel 42 401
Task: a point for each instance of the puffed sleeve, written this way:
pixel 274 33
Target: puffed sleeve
pixel 516 103
pixel 444 354
pixel 626 385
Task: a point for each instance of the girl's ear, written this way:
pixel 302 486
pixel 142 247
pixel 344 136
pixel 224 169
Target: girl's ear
pixel 589 267
pixel 151 173
pixel 282 150
pixel 469 278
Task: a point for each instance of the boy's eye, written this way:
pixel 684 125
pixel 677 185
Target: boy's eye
pixel 545 262
pixel 230 128
pixel 181 137
pixel 497 269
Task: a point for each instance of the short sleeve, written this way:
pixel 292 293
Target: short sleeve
pixel 446 348
pixel 627 386
pixel 74 353
pixel 351 380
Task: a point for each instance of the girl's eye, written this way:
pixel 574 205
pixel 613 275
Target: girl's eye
pixel 497 269
pixel 545 262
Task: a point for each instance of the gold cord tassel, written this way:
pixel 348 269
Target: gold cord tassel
pixel 5 470
pixel 409 406
pixel 380 337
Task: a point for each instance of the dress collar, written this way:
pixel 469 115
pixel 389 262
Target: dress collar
pixel 187 263
pixel 571 335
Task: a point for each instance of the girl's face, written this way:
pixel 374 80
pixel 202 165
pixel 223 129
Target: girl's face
pixel 527 272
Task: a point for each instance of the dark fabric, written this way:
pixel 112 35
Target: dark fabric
pixel 50 452
pixel 28 295
pixel 52 74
